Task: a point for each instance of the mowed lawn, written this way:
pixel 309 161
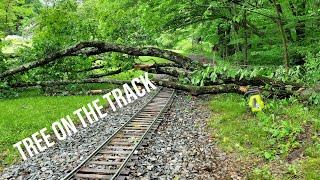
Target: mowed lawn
pixel 21 117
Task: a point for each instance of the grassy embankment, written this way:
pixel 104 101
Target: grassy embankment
pixel 283 141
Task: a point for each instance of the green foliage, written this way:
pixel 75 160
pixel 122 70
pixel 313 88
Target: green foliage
pixel 282 135
pixel 13 13
pixel 272 135
pixel 311 168
pixel 69 22
pixel 6 91
pixel 308 75
pixel 261 173
pixel 312 67
pixel 216 28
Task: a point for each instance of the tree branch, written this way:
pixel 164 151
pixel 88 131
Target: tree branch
pixel 194 90
pixel 97 47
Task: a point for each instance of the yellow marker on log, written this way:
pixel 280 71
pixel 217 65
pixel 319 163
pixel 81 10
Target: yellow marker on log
pixel 255 101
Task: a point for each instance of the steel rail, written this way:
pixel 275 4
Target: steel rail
pixel 142 138
pixel 96 151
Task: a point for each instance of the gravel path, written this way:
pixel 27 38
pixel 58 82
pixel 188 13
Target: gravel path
pixel 182 147
pixel 66 155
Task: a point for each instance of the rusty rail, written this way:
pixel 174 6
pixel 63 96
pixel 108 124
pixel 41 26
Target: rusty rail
pixel 111 157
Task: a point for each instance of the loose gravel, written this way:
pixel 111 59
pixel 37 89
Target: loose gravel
pixel 182 147
pixel 57 161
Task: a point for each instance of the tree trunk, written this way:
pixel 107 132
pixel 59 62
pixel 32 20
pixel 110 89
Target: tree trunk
pixel 245 39
pixel 283 33
pixel 198 90
pixel 194 90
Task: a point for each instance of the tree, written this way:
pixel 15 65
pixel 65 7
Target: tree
pixel 13 13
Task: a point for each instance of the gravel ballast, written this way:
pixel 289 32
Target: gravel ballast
pixel 182 147
pixel 55 162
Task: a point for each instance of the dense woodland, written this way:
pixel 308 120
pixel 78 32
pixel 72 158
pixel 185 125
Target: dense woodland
pixel 205 47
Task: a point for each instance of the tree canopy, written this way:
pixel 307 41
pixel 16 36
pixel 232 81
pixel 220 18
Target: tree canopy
pixel 274 38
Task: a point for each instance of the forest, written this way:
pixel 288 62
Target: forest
pixel 56 55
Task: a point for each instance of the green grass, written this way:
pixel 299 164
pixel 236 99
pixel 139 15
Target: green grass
pixel 151 60
pixel 269 136
pixel 31 111
pixel 21 117
pixel 233 124
pixel 311 168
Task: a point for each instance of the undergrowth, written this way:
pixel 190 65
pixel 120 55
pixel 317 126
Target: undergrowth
pixel 285 130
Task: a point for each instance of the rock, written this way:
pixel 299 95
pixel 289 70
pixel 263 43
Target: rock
pixel 150 167
pixel 43 169
pixel 153 158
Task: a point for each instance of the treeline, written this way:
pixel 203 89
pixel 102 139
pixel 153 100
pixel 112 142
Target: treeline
pixel 281 34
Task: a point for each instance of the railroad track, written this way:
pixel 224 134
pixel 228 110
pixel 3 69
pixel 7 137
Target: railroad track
pixel 111 157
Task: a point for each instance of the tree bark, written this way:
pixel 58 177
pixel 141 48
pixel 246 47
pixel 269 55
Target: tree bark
pixel 245 38
pixel 198 90
pixel 283 33
pixel 98 47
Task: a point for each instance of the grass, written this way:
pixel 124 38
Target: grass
pixel 311 168
pixel 270 136
pixel 31 111
pixel 21 117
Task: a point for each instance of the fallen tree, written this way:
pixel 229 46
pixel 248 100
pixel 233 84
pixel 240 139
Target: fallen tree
pixel 181 66
pixel 194 90
pixel 90 48
pixel 223 86
pixel 171 71
pixel 198 90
